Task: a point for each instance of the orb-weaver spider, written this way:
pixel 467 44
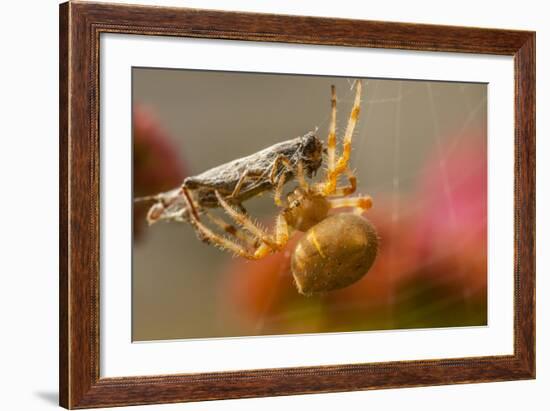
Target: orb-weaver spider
pixel 336 250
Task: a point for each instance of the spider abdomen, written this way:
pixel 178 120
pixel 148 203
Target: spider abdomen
pixel 335 253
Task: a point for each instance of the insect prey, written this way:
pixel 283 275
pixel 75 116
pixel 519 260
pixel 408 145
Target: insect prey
pixel 239 179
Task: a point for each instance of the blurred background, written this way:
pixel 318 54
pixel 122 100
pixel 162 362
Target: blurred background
pixel 420 150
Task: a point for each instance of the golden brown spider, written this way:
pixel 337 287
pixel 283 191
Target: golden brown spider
pixel 336 250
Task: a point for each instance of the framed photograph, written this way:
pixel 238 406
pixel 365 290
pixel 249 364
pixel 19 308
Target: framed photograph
pixel 259 205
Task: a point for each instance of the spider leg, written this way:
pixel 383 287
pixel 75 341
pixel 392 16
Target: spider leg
pixel 300 176
pixel 281 234
pixel 323 187
pixel 222 242
pixel 275 174
pixel 281 231
pixel 279 191
pixel 346 190
pixel 275 167
pixel 342 163
pixel 359 204
pixel 339 166
pixel 331 140
pixel 208 236
pixel 279 180
pixel 230 229
pixel 245 221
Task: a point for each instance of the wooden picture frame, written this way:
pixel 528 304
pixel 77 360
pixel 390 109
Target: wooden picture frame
pixel 80 27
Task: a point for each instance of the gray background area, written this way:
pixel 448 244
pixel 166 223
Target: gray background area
pixel 216 117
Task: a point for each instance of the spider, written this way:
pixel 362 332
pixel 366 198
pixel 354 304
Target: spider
pixel 336 250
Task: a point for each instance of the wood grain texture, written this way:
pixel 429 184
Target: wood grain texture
pixel 63 206
pixel 80 27
pixel 524 203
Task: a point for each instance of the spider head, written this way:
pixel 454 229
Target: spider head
pixel 311 153
pixel 305 209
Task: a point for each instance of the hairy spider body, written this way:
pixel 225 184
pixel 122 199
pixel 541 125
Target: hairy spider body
pixel 336 250
pixel 305 209
pixel 333 254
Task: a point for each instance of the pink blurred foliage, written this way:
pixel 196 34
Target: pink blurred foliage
pixel 157 165
pixel 454 193
pixel 430 270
